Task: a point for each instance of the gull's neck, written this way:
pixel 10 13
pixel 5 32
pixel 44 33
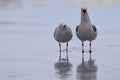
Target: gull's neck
pixel 85 18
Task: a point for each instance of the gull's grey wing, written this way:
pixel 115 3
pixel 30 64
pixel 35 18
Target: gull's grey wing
pixel 55 32
pixel 77 28
pixel 94 28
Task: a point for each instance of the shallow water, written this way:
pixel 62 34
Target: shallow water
pixel 28 51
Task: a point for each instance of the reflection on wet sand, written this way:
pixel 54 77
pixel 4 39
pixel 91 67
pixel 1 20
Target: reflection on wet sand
pixel 87 70
pixel 66 55
pixel 63 68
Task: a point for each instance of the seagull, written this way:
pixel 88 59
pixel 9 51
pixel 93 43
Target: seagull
pixel 63 34
pixel 86 31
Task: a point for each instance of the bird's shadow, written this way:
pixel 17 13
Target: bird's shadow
pixel 87 70
pixel 63 68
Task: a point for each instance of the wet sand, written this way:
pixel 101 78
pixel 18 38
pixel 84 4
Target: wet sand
pixel 28 50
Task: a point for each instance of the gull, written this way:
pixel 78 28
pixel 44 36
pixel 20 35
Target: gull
pixel 63 34
pixel 86 31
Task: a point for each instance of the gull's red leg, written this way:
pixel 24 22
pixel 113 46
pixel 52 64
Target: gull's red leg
pixel 82 56
pixel 67 56
pixel 82 46
pixel 90 60
pixel 60 46
pixel 60 57
pixel 90 47
pixel 67 47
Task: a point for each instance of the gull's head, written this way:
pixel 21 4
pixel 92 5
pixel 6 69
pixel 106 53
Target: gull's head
pixel 63 26
pixel 84 10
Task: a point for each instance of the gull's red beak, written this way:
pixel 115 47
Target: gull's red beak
pixel 84 10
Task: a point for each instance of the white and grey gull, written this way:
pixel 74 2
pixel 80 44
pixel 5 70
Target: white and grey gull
pixel 86 31
pixel 63 34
